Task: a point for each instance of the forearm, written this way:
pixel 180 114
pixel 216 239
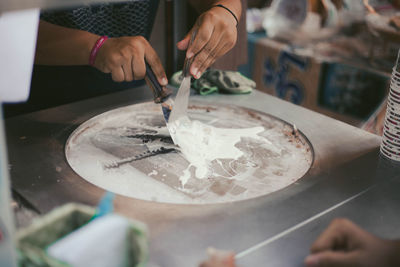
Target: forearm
pixel 234 5
pixel 57 45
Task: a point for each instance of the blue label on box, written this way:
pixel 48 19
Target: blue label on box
pixel 277 76
pixel 351 90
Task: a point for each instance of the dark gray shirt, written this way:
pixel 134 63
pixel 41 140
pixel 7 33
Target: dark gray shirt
pixel 56 85
pixel 128 18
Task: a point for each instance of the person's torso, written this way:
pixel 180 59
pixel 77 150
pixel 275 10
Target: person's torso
pixel 128 18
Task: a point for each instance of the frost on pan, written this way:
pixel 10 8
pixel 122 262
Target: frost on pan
pixel 224 154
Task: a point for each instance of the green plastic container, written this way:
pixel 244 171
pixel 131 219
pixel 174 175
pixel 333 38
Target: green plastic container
pixel 33 241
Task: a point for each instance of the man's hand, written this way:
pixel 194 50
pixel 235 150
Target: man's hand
pixel 219 258
pixel 124 58
pixel 344 244
pixel 216 34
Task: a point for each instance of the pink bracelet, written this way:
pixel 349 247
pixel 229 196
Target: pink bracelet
pixel 96 49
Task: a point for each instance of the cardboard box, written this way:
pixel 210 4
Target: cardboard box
pixel 344 91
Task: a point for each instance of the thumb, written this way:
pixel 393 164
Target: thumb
pixel 332 259
pixel 184 43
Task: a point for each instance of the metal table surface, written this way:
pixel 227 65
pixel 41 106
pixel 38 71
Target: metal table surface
pixel 348 178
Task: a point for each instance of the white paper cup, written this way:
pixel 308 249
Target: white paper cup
pixel 391 127
pixel 391 147
pixel 393 104
pixel 393 131
pixel 394 97
pixel 395 86
pixel 391 138
pixel 389 155
pixel 393 114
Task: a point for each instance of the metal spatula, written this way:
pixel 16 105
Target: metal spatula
pixel 179 111
pixel 161 94
pixel 172 110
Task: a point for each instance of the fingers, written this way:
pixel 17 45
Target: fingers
pixel 204 32
pixel 127 67
pixel 346 244
pixel 138 67
pixel 212 57
pixel 333 259
pixel 336 236
pixel 125 57
pixel 117 74
pixel 122 69
pixel 155 64
pixel 184 43
pixel 214 37
pixel 219 258
pixel 206 54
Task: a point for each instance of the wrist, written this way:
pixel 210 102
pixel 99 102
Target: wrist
pixel 86 42
pixel 95 49
pixel 228 10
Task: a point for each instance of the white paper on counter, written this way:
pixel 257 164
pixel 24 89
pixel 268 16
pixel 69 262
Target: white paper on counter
pixel 101 243
pixel 18 31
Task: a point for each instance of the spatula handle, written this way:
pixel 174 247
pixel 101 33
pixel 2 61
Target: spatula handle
pixel 160 92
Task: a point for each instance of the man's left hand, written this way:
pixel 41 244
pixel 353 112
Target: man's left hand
pixel 216 34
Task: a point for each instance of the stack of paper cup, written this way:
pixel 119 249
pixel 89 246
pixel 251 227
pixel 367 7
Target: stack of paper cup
pixel 390 146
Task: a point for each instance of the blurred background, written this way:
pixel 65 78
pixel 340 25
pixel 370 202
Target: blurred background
pixel 332 56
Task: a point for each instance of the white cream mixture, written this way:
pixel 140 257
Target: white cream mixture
pixel 201 144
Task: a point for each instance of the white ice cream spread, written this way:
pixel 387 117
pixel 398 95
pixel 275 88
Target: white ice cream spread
pixel 201 144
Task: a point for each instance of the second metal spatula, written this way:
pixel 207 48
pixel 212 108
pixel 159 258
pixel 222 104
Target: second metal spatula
pixel 182 97
pixel 172 110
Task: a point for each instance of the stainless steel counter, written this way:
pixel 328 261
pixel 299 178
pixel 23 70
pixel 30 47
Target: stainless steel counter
pixel 348 178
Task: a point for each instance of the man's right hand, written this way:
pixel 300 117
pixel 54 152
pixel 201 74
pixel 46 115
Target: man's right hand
pixel 344 244
pixel 124 58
